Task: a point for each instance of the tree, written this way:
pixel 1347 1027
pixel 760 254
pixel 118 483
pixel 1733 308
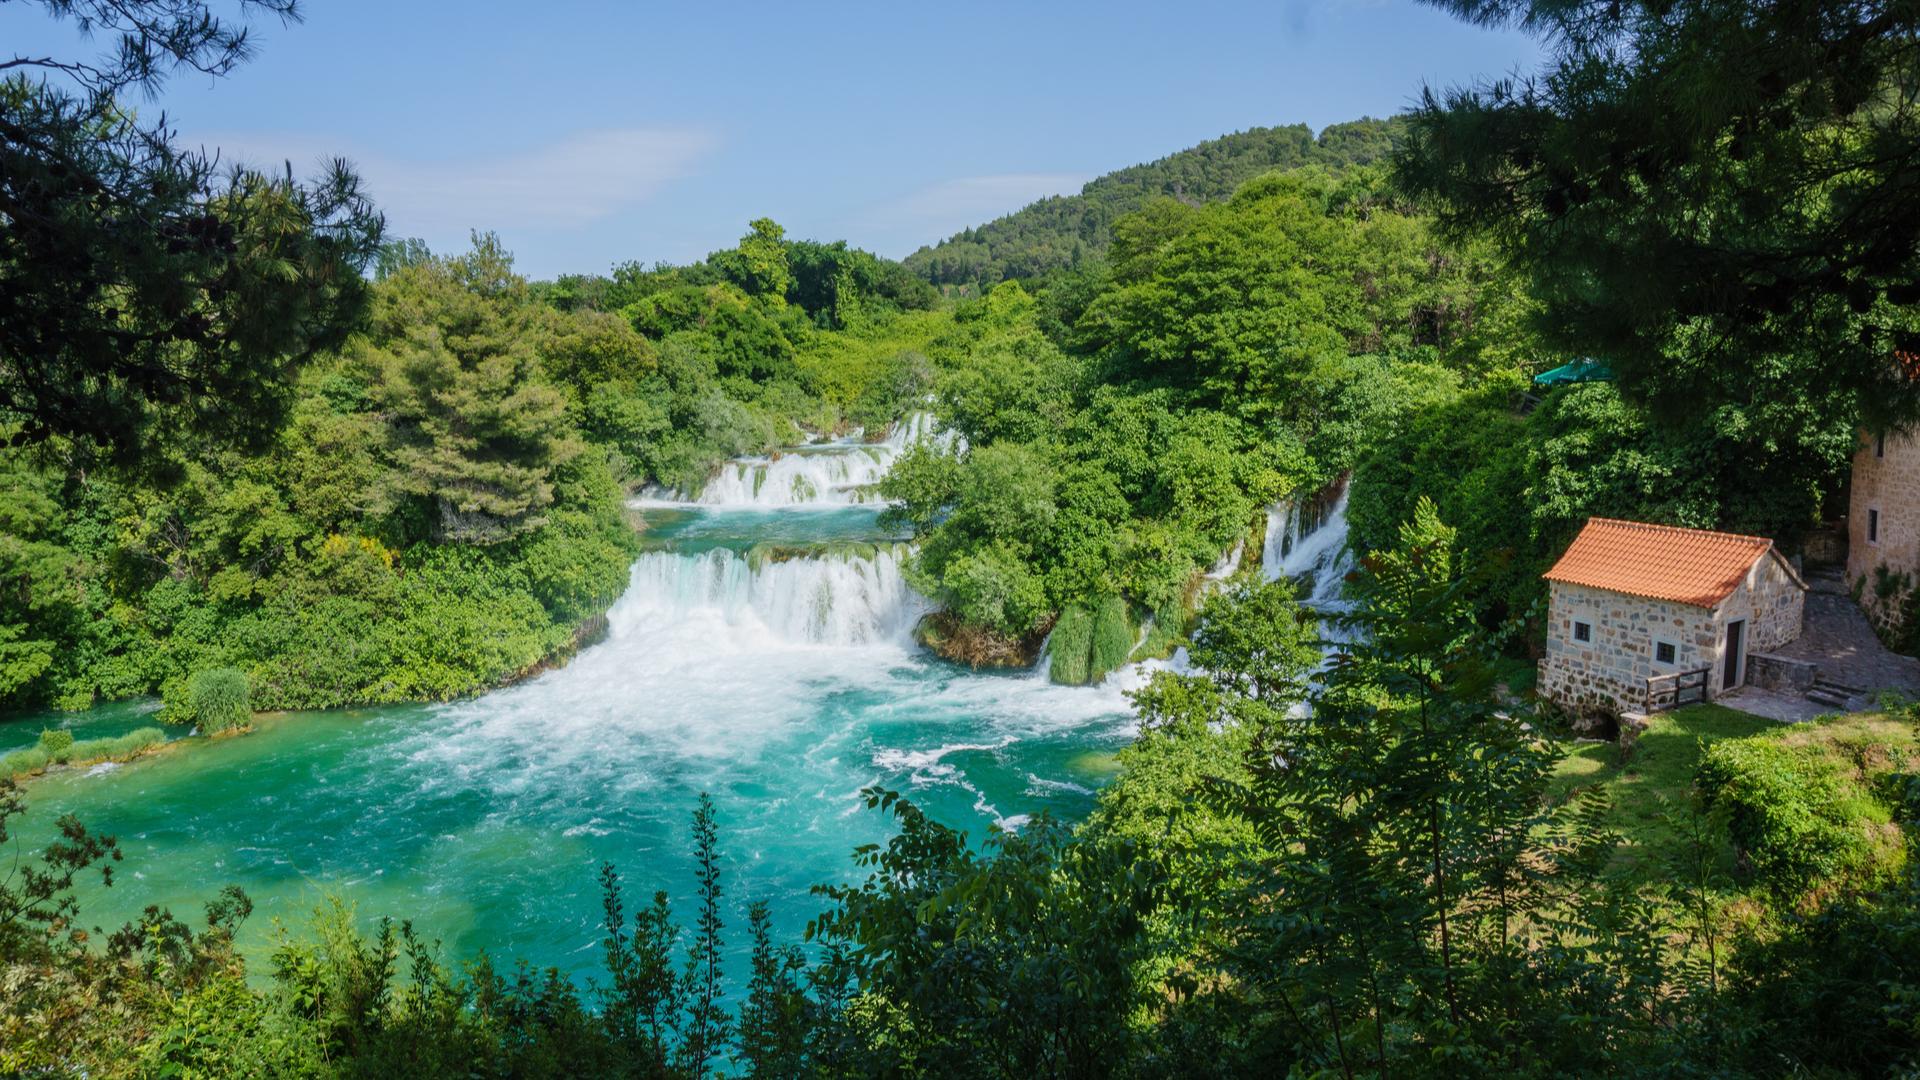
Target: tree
pixel 143 293
pixel 1708 194
pixel 1018 961
pixel 1409 850
pixel 759 264
pixel 453 348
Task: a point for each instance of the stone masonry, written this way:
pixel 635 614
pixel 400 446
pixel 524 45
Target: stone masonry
pixel 1611 669
pixel 1883 523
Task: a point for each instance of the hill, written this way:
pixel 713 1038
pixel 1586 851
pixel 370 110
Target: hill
pixel 1060 231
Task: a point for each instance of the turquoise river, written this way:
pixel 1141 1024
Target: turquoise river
pixel 762 653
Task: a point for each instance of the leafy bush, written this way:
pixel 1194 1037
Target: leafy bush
pixel 57 742
pixel 1784 809
pixel 1113 635
pixel 1070 649
pixel 216 699
pixel 994 588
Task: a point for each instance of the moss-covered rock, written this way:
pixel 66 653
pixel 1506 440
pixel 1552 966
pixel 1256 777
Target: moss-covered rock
pixel 949 637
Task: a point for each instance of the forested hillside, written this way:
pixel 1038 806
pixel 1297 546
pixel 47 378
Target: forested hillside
pixel 259 455
pixel 1066 230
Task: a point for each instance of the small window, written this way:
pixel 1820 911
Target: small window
pixel 1663 652
pixel 1582 632
pixel 1879 446
pixel 1873 526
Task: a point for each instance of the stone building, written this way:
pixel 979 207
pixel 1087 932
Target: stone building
pixel 1636 608
pixel 1883 524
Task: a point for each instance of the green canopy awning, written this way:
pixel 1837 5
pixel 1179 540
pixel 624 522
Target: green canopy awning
pixel 1577 372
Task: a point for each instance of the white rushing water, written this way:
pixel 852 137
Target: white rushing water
pixel 1307 539
pixel 769 634
pixel 762 654
pixel 857 597
pixel 823 474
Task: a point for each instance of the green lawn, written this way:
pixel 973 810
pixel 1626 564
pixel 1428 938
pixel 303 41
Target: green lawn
pixel 1657 777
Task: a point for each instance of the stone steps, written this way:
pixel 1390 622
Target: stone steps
pixel 1834 694
pixel 1829 699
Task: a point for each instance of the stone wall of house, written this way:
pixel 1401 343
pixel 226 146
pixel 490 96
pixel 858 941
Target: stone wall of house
pixel 1773 603
pixel 1890 484
pixel 1611 670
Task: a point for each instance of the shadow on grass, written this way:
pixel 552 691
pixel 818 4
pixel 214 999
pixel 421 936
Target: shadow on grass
pixel 1656 778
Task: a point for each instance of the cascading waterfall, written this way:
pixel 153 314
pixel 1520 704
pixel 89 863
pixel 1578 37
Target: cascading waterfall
pixel 762 653
pixel 851 597
pixel 838 473
pixel 1308 539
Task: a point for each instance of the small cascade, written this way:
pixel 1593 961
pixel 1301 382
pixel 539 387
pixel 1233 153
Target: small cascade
pixel 1228 565
pixel 854 596
pixel 838 473
pixel 833 475
pixel 1307 539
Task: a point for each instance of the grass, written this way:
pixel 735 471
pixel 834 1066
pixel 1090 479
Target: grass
pixel 1656 778
pixel 36 759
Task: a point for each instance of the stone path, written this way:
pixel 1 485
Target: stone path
pixel 1781 705
pixel 1836 636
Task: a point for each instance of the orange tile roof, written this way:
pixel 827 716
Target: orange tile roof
pixel 1660 562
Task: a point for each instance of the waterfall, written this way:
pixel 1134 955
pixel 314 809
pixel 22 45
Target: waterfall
pixel 1307 538
pixel 856 595
pixel 830 476
pixel 836 473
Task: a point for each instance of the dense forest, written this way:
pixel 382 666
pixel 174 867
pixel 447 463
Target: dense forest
pixel 263 456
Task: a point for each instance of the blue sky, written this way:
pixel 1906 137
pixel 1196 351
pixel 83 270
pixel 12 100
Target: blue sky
pixel 589 134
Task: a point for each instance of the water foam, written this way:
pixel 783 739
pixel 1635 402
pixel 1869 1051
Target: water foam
pixel 839 473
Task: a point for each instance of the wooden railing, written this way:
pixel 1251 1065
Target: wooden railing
pixel 1677 688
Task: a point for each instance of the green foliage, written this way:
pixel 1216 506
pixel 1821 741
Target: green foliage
pixel 22 762
pixel 759 265
pixel 1070 647
pixel 1113 635
pixel 1411 801
pixel 1519 487
pixel 57 743
pixel 214 700
pixel 1065 232
pixel 452 353
pixel 1703 194
pixel 158 297
pixel 118 747
pixel 1836 991
pixel 1042 931
pixel 58 747
pixel 1784 810
pixel 992 587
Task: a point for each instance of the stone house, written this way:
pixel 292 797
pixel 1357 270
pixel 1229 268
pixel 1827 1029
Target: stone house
pixel 1883 524
pixel 1636 608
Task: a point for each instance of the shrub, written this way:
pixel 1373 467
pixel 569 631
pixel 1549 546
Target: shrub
pixel 30 760
pixel 57 742
pixel 1070 649
pixel 995 588
pixel 1113 635
pixel 216 699
pixel 1784 810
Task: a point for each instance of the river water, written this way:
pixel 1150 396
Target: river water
pixel 762 653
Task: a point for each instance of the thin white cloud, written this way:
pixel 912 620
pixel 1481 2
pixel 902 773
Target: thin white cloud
pixel 939 210
pixel 582 178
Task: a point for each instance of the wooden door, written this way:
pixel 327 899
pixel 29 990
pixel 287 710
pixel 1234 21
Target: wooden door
pixel 1736 643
